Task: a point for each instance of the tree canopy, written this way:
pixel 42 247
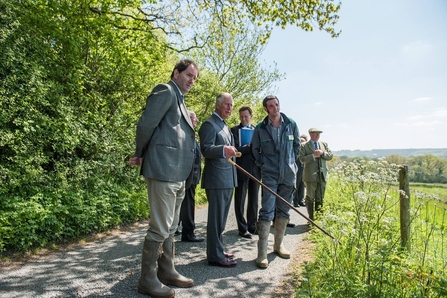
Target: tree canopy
pixel 182 33
pixel 74 77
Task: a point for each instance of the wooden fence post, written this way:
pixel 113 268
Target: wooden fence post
pixel 404 194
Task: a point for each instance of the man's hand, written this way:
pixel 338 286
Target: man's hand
pixel 230 151
pixel 318 153
pixel 135 161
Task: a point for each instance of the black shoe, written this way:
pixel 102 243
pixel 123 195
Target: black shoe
pixel 295 204
pixel 225 262
pixel 178 233
pixel 302 204
pixel 192 238
pixel 245 235
pixel 290 225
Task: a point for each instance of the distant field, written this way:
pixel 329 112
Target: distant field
pixel 377 153
pixel 433 189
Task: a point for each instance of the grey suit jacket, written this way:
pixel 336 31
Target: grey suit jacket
pixel 310 172
pixel 165 136
pixel 218 173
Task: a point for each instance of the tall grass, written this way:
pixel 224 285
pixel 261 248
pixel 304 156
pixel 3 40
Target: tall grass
pixel 362 211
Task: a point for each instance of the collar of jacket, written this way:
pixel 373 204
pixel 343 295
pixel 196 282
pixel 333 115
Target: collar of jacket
pixel 176 88
pixel 265 122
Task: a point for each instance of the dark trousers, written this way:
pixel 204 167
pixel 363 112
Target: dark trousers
pixel 240 194
pixel 219 201
pixel 300 187
pixel 299 193
pixel 187 211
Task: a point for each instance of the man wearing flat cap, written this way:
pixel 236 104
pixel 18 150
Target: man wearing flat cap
pixel 314 155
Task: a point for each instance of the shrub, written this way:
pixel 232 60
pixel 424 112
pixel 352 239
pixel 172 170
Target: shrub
pixel 362 212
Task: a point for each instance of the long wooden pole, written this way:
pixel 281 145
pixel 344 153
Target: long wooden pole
pixel 281 198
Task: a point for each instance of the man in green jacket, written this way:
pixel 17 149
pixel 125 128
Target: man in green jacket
pixel 314 155
pixel 275 147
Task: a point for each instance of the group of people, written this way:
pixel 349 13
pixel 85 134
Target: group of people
pixel 170 158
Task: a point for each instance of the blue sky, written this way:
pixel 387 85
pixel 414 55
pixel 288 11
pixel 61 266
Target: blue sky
pixel 381 85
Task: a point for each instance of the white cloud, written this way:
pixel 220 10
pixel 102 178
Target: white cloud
pixel 416 48
pixel 441 113
pixel 401 124
pixel 425 124
pixel 416 117
pixel 424 98
pixel 418 56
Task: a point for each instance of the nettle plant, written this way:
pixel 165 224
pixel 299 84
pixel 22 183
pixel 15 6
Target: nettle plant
pixel 362 211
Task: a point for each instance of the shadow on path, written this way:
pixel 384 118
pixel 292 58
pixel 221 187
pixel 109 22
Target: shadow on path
pixel 110 267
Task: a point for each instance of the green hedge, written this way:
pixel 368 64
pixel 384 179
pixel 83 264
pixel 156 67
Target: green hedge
pixel 71 90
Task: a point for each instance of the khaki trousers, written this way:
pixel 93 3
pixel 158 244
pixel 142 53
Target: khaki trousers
pixel 165 200
pixel 315 192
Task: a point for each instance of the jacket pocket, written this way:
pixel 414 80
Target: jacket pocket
pixel 267 147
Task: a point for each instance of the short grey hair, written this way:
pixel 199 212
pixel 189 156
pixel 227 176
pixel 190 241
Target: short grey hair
pixel 220 98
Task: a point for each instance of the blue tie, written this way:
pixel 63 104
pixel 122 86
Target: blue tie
pixel 316 145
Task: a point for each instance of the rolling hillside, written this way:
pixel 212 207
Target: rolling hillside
pixel 377 153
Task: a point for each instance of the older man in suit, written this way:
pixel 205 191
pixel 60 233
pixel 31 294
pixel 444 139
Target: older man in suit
pixel 165 152
pixel 218 178
pixel 314 155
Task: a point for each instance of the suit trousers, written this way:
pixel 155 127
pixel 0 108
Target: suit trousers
pixel 165 200
pixel 219 201
pixel 315 192
pixel 240 195
pixel 300 187
pixel 187 211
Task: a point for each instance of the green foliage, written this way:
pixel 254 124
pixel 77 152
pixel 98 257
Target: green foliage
pixel 428 169
pixel 423 168
pixel 362 211
pixel 437 192
pixel 306 14
pixel 234 62
pixel 72 88
pixel 379 153
pixel 74 76
pixel 183 23
pixel 200 197
pixel 202 96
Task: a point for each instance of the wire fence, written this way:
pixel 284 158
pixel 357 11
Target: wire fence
pixel 423 228
pixel 428 227
pixel 364 201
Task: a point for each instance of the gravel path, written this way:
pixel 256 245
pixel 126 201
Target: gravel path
pixel 110 266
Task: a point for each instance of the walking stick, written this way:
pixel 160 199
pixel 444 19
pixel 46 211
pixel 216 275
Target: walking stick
pixel 278 196
pixel 320 178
